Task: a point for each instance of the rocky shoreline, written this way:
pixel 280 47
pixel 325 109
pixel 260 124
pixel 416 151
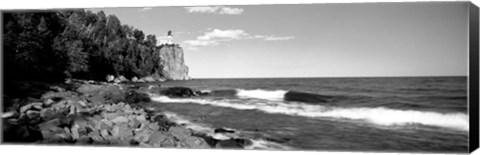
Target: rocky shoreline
pixel 99 113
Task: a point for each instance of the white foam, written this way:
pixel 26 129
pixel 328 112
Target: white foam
pixel 379 115
pixel 276 95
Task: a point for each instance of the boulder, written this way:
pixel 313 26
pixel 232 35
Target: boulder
pixel 143 136
pixel 48 114
pixel 122 78
pixel 231 144
pixel 134 79
pixel 120 119
pixel 136 97
pixel 193 142
pixel 244 142
pixel 180 133
pixel 178 92
pixel 161 139
pixel 110 78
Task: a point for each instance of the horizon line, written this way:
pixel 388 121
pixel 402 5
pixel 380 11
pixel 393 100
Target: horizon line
pixel 426 76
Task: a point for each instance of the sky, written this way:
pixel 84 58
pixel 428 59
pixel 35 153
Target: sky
pixel 312 40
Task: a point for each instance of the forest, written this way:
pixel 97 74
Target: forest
pixel 54 45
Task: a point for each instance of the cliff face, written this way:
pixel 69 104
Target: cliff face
pixel 173 65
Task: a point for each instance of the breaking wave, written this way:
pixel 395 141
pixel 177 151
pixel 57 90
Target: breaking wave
pixel 377 115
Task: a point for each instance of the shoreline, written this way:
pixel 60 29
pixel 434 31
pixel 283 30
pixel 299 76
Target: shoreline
pixel 81 112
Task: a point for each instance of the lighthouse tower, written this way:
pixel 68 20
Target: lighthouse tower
pixel 169 38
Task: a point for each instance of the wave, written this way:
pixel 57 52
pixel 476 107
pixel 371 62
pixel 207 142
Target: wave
pixel 256 143
pixel 378 115
pixel 272 95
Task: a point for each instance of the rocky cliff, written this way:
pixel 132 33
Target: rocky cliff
pixel 172 63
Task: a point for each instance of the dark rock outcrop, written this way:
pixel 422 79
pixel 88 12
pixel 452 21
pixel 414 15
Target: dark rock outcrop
pixel 178 92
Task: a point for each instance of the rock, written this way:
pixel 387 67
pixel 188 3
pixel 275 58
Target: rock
pixel 84 140
pixel 48 102
pixel 229 144
pixel 48 114
pixel 143 136
pixel 173 64
pixel 134 79
pixel 222 130
pixel 122 131
pixel 178 92
pixel 37 105
pixel 135 97
pixel 122 78
pixel 120 119
pixel 95 136
pixel 179 132
pixel 210 140
pixel 163 122
pixel 154 126
pixel 148 79
pixel 24 108
pixel 194 142
pixel 104 133
pixel 160 139
pixel 32 114
pixel 55 135
pixel 10 114
pixel 244 142
pixel 110 78
pixel 108 123
pixel 82 103
pixel 75 133
pixel 141 118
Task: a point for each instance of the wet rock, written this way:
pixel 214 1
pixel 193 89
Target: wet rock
pixel 277 140
pixel 136 97
pixel 222 130
pixel 178 92
pixel 244 142
pixel 208 139
pixel 163 122
pixel 232 144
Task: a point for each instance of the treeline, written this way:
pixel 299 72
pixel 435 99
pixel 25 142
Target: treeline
pixel 54 45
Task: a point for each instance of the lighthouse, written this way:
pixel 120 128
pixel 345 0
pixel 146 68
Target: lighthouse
pixel 169 38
